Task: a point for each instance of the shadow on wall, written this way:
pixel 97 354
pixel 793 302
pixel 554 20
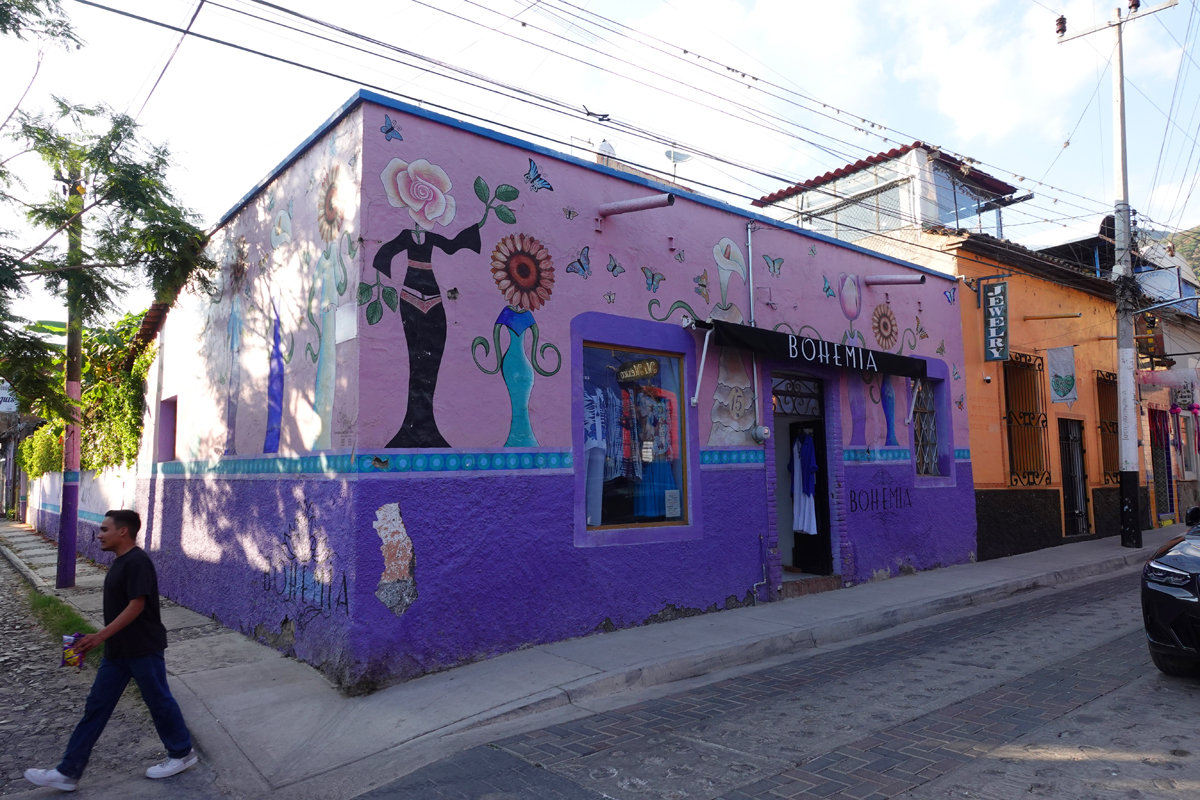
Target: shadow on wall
pixel 270 558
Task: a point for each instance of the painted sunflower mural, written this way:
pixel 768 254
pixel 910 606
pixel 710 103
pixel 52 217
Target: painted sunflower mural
pixel 524 273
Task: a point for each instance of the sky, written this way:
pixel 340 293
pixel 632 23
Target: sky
pixel 763 92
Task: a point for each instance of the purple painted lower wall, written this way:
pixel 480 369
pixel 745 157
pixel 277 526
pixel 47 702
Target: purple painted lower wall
pixel 896 526
pixel 300 564
pixel 378 579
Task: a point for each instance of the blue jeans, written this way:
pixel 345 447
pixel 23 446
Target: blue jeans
pixel 150 674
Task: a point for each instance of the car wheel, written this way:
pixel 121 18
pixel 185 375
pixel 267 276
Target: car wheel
pixel 1175 667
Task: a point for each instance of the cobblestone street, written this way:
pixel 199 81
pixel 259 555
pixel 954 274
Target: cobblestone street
pixel 40 702
pixel 1052 696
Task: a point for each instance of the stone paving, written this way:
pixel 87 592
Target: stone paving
pixel 932 701
pixel 40 702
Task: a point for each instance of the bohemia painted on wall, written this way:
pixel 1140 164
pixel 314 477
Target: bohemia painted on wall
pixel 439 408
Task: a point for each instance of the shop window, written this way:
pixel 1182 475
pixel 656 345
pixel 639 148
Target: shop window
pixel 1025 418
pixel 1106 398
pixel 633 438
pixel 925 433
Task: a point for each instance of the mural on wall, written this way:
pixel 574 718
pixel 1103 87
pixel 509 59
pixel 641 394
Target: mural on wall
pixel 524 274
pixel 423 189
pixel 302 573
pixel 774 265
pixel 330 281
pixel 733 409
pixel 581 266
pixel 397 587
pixel 239 270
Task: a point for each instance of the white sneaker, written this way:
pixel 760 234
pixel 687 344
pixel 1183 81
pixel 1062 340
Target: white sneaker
pixel 172 766
pixel 52 778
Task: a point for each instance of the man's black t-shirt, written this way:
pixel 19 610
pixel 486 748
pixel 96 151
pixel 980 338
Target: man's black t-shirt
pixel 132 575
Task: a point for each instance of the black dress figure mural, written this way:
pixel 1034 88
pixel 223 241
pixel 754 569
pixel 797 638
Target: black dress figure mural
pixel 424 320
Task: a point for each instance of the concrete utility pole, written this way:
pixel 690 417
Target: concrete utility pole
pixel 68 519
pixel 1126 285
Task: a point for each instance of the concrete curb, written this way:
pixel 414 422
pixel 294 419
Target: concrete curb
pixel 26 573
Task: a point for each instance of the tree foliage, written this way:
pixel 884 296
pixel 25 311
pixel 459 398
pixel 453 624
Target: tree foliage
pixel 112 408
pixel 108 177
pixel 41 19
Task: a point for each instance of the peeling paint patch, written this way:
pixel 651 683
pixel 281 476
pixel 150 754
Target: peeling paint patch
pixel 397 588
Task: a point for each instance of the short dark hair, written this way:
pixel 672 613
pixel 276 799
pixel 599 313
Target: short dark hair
pixel 125 518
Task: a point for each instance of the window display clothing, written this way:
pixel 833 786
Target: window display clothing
pixel 804 484
pixel 657 424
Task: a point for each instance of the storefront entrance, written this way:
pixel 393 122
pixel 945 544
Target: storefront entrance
pixel 801 506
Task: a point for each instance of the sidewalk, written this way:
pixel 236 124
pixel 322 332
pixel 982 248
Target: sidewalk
pixel 265 722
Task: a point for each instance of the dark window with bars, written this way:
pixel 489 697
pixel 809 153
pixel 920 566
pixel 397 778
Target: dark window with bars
pixel 1106 399
pixel 1028 450
pixel 925 429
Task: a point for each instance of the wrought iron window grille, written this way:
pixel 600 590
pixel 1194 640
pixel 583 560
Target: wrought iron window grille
pixel 1106 400
pixel 925 429
pixel 1026 420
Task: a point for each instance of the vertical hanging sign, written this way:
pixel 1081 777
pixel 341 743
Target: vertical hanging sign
pixel 995 322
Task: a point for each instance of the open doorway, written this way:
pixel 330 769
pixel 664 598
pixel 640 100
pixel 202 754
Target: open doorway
pixel 801 506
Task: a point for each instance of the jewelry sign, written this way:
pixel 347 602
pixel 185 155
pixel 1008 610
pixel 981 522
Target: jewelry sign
pixel 995 322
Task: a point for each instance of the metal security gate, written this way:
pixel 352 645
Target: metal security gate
pixel 1074 480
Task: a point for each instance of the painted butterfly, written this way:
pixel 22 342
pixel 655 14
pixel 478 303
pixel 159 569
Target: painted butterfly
pixel 582 265
pixel 390 130
pixel 812 251
pixel 950 294
pixel 773 265
pixel 679 256
pixel 954 371
pixel 653 279
pixel 570 213
pixel 962 398
pixel 827 289
pixel 353 162
pixel 535 180
pixel 613 267
pixel 941 350
pixel 921 330
pixel 701 282
pixel 610 297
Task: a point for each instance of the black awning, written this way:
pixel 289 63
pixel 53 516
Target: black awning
pixel 802 350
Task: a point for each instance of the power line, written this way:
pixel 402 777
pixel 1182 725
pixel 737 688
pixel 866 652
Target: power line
pixel 1067 272
pixel 170 58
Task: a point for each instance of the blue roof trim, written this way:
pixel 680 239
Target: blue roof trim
pixel 366 95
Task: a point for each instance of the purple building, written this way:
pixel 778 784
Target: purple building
pixel 458 394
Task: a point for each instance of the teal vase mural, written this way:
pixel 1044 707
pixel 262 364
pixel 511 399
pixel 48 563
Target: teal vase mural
pixel 518 377
pixel 524 274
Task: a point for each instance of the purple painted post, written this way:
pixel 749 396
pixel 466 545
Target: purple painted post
pixel 68 519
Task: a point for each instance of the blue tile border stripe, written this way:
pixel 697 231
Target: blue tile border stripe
pixel 962 455
pixel 419 461
pixel 463 462
pixel 749 456
pixel 89 516
pixel 866 455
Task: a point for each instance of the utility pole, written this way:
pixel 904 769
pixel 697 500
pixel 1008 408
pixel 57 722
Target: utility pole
pixel 1126 284
pixel 68 519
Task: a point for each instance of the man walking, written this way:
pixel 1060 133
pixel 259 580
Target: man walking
pixel 134 639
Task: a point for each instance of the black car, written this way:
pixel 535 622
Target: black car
pixel 1171 602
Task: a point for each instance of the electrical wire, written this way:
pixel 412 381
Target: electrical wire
pixel 1068 273
pixel 660 138
pixel 170 58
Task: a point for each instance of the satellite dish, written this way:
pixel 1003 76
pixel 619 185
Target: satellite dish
pixel 677 156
